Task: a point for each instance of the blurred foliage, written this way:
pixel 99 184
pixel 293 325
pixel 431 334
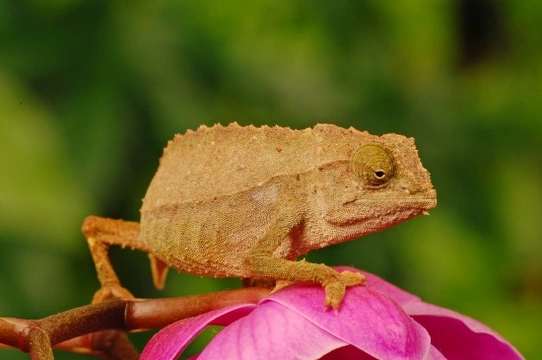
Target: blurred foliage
pixel 90 92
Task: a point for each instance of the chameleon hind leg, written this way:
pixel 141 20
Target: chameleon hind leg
pixel 101 233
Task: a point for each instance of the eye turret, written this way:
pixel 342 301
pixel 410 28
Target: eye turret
pixel 373 165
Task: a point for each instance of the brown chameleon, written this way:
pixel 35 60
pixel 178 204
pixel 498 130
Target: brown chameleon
pixel 245 202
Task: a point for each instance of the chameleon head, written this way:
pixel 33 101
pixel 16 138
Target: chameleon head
pixel 382 184
pixel 376 167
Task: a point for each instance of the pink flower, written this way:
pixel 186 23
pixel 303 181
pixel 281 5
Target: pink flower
pixel 378 321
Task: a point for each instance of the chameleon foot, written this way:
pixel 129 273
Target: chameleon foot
pixel 335 289
pixel 111 291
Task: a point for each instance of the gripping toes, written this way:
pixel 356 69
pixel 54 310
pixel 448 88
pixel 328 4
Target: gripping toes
pixel 335 289
pixel 111 291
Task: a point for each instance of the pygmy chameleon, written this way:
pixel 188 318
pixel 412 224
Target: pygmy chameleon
pixel 245 202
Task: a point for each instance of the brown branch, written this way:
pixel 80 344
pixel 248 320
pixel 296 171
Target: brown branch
pixel 99 328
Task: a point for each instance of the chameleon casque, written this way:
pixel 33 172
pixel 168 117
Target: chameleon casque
pixel 245 202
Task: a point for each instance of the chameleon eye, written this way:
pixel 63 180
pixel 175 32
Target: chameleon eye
pixel 373 165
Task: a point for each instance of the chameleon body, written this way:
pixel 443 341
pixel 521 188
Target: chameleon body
pixel 246 202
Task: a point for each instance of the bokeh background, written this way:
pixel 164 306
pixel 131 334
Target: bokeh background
pixel 90 92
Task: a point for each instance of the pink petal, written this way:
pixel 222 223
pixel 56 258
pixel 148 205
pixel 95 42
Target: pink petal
pixel 376 283
pixel 366 319
pixel 271 332
pixel 347 353
pixel 372 318
pixel 169 342
pixel 459 337
pixel 450 331
pixel 434 354
pixel 352 353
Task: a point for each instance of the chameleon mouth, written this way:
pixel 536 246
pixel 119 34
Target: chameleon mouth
pixel 419 203
pixel 423 201
pixel 432 199
pixel 386 211
pixel 414 205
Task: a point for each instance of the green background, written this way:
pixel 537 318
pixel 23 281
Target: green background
pixel 90 92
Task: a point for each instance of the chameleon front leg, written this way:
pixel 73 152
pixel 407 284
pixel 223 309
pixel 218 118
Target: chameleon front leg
pixel 101 233
pixel 261 263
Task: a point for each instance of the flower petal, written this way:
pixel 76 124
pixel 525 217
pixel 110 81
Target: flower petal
pixel 376 283
pixel 271 332
pixel 378 320
pixel 450 331
pixel 169 342
pixel 352 353
pixel 348 352
pixel 366 318
pixel 434 354
pixel 458 336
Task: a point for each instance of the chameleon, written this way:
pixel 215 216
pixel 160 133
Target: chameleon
pixel 246 201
